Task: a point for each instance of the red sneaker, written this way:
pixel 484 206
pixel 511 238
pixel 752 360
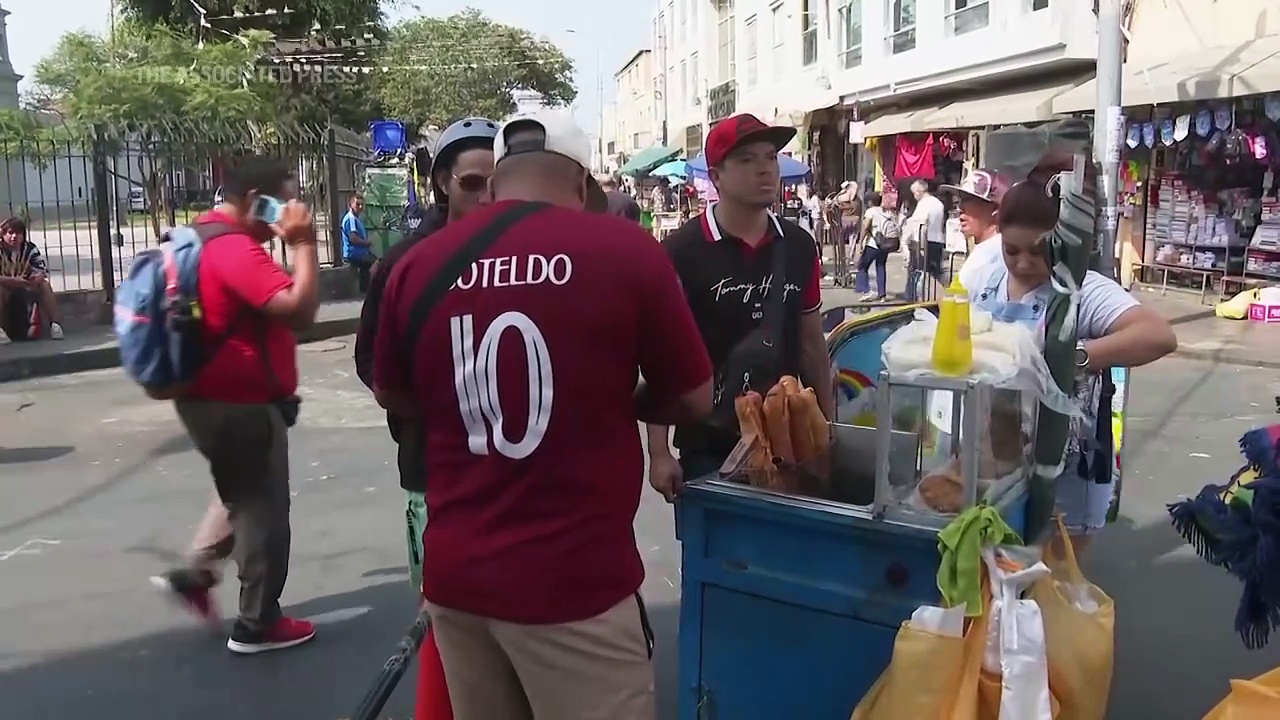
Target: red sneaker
pixel 191 596
pixel 286 633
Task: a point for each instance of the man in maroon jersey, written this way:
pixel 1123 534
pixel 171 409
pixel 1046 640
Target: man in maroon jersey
pixel 526 372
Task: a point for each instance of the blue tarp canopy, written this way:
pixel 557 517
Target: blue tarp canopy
pixel 790 169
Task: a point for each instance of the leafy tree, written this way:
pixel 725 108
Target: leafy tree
pixel 436 70
pixel 155 91
pixel 152 76
pixel 343 97
pixel 301 18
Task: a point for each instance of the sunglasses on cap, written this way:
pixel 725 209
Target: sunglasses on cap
pixel 471 183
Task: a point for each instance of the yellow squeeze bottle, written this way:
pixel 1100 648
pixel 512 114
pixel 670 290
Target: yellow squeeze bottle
pixel 952 345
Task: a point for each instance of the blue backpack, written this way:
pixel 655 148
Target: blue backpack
pixel 158 316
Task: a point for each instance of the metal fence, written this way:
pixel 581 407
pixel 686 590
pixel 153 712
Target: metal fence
pixel 93 199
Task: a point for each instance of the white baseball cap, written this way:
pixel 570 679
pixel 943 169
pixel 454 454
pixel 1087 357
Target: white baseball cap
pixel 561 136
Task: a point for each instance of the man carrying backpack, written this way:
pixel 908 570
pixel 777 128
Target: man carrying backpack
pixel 239 403
pixel 882 237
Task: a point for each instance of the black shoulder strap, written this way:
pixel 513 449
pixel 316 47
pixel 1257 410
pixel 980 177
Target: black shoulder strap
pixel 460 261
pixel 774 311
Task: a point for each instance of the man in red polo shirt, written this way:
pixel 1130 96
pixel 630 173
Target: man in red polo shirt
pixel 241 403
pixel 525 370
pixel 732 261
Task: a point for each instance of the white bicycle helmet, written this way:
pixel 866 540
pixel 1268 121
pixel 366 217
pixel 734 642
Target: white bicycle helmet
pixel 465 134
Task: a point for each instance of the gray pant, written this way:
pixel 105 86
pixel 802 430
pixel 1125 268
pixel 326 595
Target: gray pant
pixel 247 448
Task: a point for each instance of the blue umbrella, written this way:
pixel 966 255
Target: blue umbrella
pixel 789 168
pixel 673 169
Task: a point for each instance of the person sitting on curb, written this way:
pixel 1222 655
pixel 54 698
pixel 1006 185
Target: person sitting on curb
pixel 24 283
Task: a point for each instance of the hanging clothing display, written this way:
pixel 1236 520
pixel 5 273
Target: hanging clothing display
pixel 913 156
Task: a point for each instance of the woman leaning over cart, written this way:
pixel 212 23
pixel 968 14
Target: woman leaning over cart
pixel 1113 328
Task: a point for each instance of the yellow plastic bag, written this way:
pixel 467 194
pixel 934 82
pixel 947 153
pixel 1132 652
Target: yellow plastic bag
pixel 1237 308
pixel 1079 631
pixel 930 677
pixel 1250 699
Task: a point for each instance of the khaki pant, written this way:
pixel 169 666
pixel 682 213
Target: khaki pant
pixel 597 669
pixel 214 539
pixel 247 448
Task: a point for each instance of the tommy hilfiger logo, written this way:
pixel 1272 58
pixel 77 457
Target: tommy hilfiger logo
pixel 750 291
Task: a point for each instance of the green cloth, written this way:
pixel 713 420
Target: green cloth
pixel 648 159
pixel 415 519
pixel 960 545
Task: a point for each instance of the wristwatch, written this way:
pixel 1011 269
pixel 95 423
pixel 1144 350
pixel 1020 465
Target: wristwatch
pixel 1082 356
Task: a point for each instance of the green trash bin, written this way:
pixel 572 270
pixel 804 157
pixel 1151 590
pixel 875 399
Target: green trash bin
pixel 386 191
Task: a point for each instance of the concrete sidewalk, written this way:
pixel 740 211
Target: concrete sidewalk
pixel 1206 337
pixel 94 347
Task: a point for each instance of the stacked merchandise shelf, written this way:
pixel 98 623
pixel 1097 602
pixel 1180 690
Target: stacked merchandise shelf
pixel 1262 259
pixel 1194 230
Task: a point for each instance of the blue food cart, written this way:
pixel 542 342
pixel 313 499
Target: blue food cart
pixel 791 604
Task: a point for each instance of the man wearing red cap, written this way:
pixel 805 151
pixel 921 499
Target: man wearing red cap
pixel 751 279
pixel 980 193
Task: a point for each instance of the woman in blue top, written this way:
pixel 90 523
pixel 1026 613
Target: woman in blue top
pixel 1114 330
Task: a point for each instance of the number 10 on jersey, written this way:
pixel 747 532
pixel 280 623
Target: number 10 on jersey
pixel 475 378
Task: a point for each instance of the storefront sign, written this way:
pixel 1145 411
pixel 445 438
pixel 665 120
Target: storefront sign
pixel 722 101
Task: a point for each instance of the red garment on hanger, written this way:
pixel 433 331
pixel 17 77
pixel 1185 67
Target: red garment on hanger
pixel 913 156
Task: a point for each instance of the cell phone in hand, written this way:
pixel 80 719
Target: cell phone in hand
pixel 266 209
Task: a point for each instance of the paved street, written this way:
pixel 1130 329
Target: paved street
pixel 99 489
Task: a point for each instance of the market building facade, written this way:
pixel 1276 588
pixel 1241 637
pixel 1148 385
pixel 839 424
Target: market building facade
pixel 1200 204
pixel 833 69
pixel 629 121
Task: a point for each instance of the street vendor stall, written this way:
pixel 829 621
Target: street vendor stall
pixel 789 590
pixel 796 577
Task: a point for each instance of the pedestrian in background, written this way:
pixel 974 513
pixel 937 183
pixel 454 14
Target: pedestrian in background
pixel 459 177
pixel 850 204
pixel 980 194
pixel 620 204
pixel 357 250
pixel 880 235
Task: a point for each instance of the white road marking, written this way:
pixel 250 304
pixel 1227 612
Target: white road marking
pixel 339 615
pixel 28 548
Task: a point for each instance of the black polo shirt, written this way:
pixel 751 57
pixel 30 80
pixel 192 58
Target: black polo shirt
pixel 727 282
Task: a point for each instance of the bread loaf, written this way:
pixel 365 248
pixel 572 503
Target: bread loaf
pixel 943 489
pixel 802 442
pixel 790 385
pixel 817 421
pixel 777 424
pixel 750 410
pixel 761 472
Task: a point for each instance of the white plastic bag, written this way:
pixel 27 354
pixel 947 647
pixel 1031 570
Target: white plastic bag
pixel 947 622
pixel 1016 649
pixel 1005 356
